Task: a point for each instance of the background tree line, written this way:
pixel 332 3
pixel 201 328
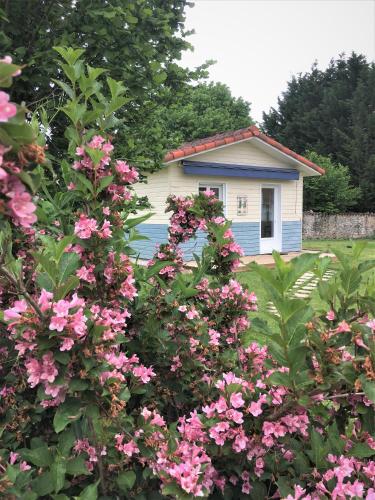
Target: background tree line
pixel 327 115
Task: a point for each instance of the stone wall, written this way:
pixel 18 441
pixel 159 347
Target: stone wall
pixel 338 226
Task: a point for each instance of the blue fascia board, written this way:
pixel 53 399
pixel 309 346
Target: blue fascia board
pixel 244 171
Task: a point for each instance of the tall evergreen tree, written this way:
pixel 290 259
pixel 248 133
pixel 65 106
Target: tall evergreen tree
pixel 332 113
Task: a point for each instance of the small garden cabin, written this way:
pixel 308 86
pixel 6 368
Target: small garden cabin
pixel 259 180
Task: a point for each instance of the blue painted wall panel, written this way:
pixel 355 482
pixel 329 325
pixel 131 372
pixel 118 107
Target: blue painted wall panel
pixel 291 236
pixel 246 234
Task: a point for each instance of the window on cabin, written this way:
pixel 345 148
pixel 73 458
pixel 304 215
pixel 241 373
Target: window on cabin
pixel 216 188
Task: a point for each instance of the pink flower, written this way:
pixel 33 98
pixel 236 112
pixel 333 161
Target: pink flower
pixel 34 370
pixel 57 323
pixel 255 408
pixel 330 315
pixel 354 490
pixel 343 327
pixel 146 414
pixel 126 173
pixel 85 227
pixel 234 415
pixel 24 466
pixel 45 300
pixel 20 205
pixel 7 109
pixel 86 273
pixel 157 420
pixel 236 400
pixel 127 289
pixel 143 373
pixel 20 306
pixel 371 324
pixel 105 232
pixel 214 337
pixel 193 313
pixel 13 457
pixel 61 308
pixel 67 344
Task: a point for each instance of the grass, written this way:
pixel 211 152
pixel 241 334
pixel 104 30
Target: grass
pixel 254 282
pixel 343 245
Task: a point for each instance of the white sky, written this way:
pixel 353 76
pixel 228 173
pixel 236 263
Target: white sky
pixel 260 44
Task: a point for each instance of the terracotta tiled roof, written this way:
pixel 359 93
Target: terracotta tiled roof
pixel 209 143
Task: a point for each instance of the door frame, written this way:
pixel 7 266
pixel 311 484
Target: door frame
pixel 275 242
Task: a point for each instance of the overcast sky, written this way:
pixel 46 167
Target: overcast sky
pixel 260 44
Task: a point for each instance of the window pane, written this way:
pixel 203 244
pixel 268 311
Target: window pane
pixel 268 206
pixel 216 189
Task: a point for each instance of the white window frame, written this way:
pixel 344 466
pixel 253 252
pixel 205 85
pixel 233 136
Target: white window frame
pixel 220 185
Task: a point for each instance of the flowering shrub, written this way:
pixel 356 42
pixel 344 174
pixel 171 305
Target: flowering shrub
pixel 123 381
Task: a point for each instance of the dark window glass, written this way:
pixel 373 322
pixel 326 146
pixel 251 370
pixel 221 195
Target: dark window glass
pixel 268 210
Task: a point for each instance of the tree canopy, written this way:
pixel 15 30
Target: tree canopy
pixel 139 42
pixel 332 113
pixel 332 192
pixel 201 111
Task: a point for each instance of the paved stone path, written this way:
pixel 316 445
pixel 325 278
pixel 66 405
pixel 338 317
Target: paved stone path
pixel 303 287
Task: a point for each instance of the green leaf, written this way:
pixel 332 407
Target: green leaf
pixel 47 265
pixel 89 493
pixel 68 265
pixel 66 441
pixel 61 246
pixel 361 450
pixel 136 220
pixel 77 384
pixel 44 281
pixel 58 470
pixel 83 183
pixel 104 182
pixel 41 456
pixel 66 88
pixel 77 467
pixel 66 413
pixel 70 284
pixel 126 480
pixel 69 54
pixel 43 484
pixel 96 155
pixel 369 388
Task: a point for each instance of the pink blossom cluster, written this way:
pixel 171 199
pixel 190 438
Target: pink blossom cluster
pixel 171 254
pixel 231 303
pixel 348 478
pixel 123 173
pixel 86 227
pixel 114 321
pixel 20 207
pixel 189 464
pixel 87 165
pixel 183 223
pixel 83 446
pixel 7 109
pixel 119 274
pixel 68 317
pixel 122 365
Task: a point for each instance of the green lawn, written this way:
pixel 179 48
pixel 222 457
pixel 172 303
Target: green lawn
pixel 254 282
pixel 343 245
